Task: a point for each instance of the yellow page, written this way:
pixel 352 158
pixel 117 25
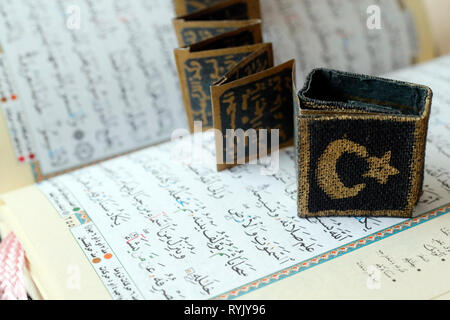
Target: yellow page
pixel 56 264
pixel 445 296
pixel 438 12
pixel 422 25
pixel 13 175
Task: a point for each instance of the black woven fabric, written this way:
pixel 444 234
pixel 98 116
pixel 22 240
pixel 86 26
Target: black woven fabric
pixel 361 145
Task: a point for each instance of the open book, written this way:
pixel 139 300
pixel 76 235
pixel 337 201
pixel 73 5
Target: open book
pixel 161 222
pixel 84 83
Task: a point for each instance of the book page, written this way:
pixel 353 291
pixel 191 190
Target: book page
pixel 83 82
pixel 362 36
pixel 411 264
pixel 438 12
pixel 163 224
pixel 14 175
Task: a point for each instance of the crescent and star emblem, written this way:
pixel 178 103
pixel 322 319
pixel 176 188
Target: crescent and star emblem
pixel 328 178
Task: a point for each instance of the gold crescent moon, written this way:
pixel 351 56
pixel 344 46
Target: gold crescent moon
pixel 327 177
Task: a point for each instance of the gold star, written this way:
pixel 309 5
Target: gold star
pixel 380 168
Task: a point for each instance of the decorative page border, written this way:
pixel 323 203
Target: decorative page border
pixel 339 251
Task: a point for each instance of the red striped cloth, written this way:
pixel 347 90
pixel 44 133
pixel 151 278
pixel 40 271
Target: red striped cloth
pixel 12 262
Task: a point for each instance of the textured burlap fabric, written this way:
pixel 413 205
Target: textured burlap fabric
pixel 361 145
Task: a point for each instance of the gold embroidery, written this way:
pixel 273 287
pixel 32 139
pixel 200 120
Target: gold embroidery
pixel 328 178
pixel 304 119
pixel 380 168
